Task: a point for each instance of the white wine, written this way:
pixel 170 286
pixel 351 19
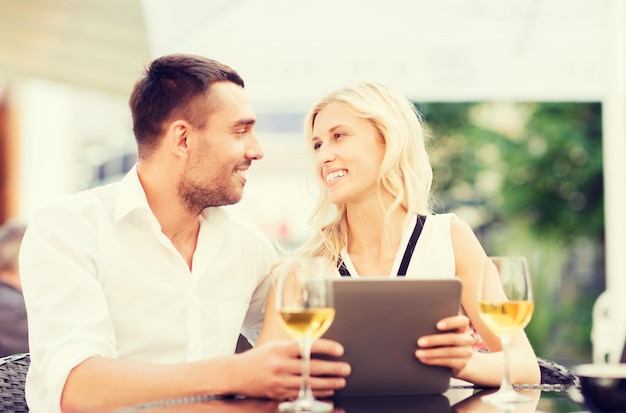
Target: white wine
pixel 506 318
pixel 307 322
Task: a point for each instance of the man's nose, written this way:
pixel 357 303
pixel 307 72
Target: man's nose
pixel 254 150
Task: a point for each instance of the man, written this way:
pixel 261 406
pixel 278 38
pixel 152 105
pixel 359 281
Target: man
pixel 13 322
pixel 137 291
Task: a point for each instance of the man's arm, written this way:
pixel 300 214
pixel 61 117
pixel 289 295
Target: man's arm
pixel 271 370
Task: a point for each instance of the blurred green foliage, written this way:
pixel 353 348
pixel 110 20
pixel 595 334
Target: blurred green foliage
pixel 554 175
pixel 528 178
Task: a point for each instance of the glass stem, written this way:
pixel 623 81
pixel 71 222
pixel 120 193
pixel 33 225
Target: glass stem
pixel 305 387
pixel 506 382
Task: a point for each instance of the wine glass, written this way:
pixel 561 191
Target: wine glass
pixel 304 300
pixel 506 306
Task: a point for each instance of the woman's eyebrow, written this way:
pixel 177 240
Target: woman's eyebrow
pixel 330 131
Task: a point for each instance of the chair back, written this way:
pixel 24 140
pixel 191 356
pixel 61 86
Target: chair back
pixel 13 370
pixel 557 375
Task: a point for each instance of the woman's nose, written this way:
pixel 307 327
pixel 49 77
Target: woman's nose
pixel 325 154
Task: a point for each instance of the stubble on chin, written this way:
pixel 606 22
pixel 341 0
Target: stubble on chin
pixel 196 198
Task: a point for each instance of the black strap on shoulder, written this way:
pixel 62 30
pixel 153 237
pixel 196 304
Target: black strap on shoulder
pixel 343 270
pixel 408 253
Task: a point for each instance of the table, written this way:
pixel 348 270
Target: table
pixel 453 401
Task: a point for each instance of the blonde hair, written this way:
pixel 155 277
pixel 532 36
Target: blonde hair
pixel 405 172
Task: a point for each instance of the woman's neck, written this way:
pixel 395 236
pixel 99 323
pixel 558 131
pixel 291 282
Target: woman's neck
pixel 372 234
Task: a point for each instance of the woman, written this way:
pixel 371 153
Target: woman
pixel 368 144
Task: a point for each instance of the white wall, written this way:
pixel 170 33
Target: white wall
pixel 64 132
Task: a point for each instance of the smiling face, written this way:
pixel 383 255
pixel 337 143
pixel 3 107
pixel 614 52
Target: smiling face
pixel 221 152
pixel 348 153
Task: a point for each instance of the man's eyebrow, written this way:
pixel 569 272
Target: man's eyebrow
pixel 243 122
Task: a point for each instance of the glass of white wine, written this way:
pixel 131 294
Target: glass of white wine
pixel 304 300
pixel 506 306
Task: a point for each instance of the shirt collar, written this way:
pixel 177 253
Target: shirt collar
pixel 130 195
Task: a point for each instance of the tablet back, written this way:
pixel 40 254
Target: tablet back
pixel 378 321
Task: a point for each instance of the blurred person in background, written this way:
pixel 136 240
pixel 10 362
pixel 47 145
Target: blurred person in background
pixel 13 322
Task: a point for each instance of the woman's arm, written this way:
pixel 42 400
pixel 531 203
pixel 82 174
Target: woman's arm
pixel 487 368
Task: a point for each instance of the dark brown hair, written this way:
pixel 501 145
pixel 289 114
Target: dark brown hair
pixel 174 86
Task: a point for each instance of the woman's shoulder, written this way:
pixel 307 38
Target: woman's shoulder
pixel 460 231
pixel 464 239
pixel 459 228
pixel 449 217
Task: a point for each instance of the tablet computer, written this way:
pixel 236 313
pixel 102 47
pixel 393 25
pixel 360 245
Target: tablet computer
pixel 378 321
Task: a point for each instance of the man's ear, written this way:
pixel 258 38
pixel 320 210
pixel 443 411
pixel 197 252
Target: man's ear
pixel 177 135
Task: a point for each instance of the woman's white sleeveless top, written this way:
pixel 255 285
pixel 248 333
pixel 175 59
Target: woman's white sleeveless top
pixel 433 256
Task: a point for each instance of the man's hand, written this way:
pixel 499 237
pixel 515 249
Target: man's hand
pixel 274 370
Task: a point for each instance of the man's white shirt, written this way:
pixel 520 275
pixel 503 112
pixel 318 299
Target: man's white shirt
pixel 101 279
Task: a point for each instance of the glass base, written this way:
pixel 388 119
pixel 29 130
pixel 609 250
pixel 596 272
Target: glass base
pixel 305 405
pixel 505 396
